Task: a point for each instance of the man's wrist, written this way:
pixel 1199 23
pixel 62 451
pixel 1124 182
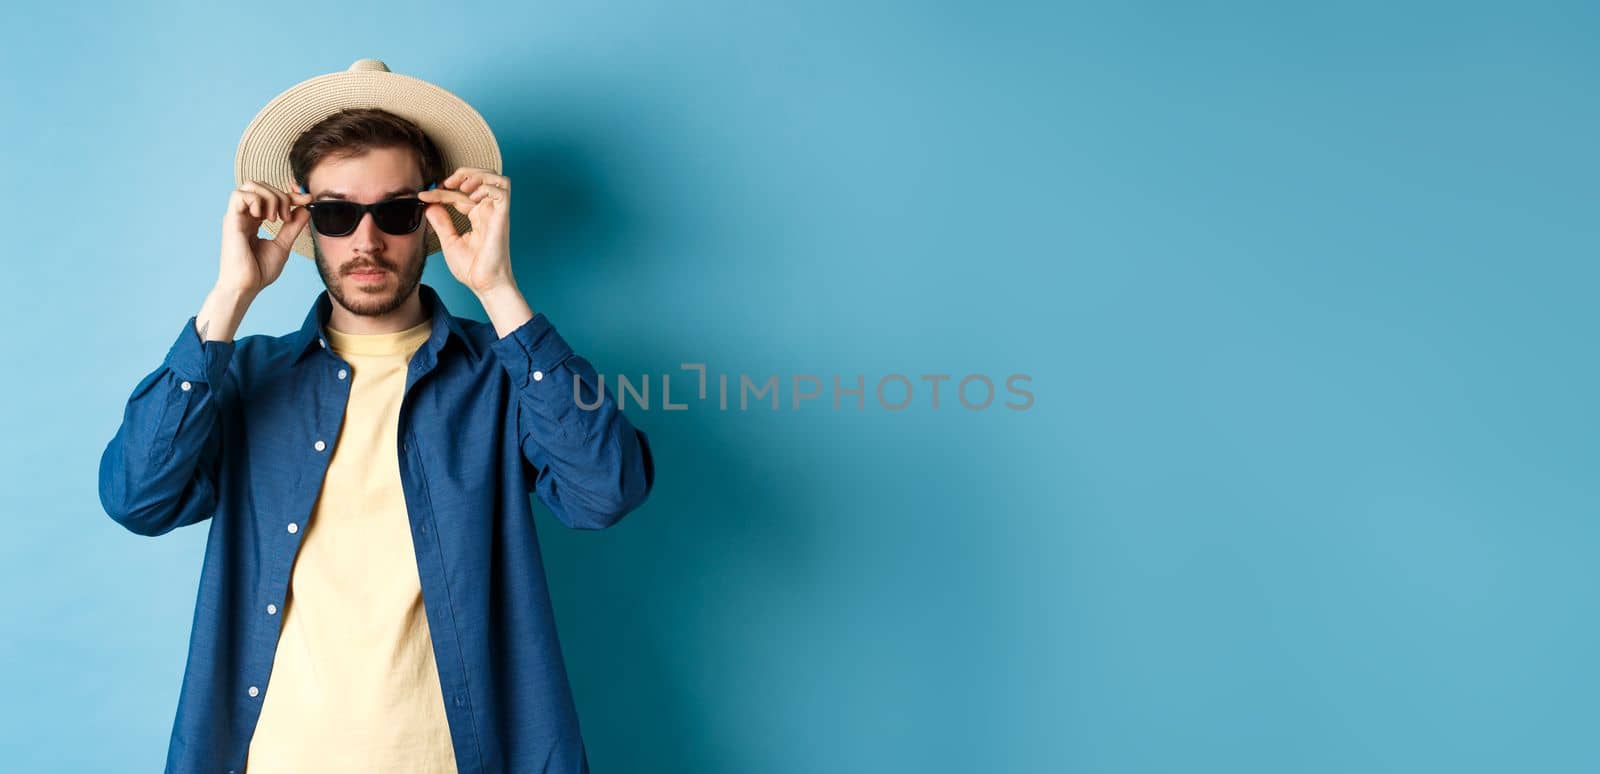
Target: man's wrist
pixel 506 307
pixel 222 312
pixel 232 294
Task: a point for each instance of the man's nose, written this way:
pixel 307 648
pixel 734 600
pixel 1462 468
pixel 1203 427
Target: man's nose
pixel 367 236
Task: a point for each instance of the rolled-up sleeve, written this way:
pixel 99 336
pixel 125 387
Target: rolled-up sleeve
pixel 587 462
pixel 159 471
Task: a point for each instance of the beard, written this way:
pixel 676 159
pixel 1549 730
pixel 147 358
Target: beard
pixel 402 280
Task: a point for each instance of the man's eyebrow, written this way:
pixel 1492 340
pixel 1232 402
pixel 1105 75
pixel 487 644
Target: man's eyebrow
pixel 342 195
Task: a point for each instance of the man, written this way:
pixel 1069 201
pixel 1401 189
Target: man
pixel 372 597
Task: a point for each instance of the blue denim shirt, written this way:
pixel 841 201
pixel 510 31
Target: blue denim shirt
pixel 241 433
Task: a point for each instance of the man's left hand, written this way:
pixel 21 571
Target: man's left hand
pixel 480 258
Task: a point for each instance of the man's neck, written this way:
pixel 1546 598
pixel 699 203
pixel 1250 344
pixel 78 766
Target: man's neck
pixel 410 313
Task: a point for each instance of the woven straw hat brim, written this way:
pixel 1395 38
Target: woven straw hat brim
pixel 461 134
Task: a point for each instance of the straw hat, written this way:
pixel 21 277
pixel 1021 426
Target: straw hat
pixel 460 133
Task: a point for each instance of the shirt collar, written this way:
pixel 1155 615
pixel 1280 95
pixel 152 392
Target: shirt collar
pixel 310 336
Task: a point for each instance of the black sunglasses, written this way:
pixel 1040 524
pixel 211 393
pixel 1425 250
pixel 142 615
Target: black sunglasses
pixel 337 218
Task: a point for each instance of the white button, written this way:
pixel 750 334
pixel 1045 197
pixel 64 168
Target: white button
pixel 343 373
pixel 254 691
pixel 320 445
pixel 272 609
pixel 186 385
pixel 537 375
pixel 293 528
pixel 323 342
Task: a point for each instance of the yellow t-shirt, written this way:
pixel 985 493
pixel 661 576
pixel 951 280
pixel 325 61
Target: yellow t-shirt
pixel 353 686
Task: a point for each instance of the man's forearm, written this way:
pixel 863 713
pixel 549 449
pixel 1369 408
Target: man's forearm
pixel 221 314
pixel 506 307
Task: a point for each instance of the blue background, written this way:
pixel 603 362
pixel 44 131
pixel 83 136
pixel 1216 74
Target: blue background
pixel 1306 294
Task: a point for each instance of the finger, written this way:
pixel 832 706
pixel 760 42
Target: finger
pixel 491 191
pixel 279 200
pixel 251 202
pixel 271 202
pixel 239 203
pixel 478 181
pixel 439 217
pixel 461 173
pixel 276 204
pixel 460 201
pixel 487 210
pixel 478 177
pixel 291 229
pixel 283 202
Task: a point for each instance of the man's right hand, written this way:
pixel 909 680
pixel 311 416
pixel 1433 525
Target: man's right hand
pixel 250 263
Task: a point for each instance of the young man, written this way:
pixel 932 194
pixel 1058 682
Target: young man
pixel 372 597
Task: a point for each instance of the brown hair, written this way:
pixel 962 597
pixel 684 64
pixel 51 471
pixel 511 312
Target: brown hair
pixel 354 131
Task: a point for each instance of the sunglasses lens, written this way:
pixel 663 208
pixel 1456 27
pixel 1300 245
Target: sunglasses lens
pixel 399 216
pixel 334 218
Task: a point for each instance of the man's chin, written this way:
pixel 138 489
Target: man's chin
pixel 371 297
